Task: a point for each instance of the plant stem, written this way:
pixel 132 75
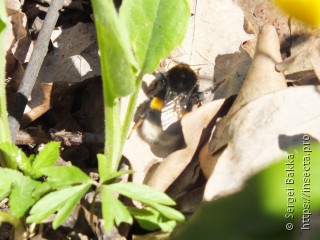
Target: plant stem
pixel 112 148
pixel 115 135
pixel 4 126
pixel 16 223
pixel 130 111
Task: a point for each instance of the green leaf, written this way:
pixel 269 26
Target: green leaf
pixel 155 28
pixel 66 210
pixel 151 220
pixel 20 190
pixel 297 174
pixel 46 158
pixel 56 201
pixel 117 60
pixel 60 176
pixel 113 211
pixel 21 196
pixel 13 157
pixel 166 211
pixel 7 179
pixel 141 193
pixel 118 174
pixel 43 189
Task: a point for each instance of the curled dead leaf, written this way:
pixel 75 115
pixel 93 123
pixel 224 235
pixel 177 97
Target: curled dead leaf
pixel 262 76
pixel 13 6
pixel 259 133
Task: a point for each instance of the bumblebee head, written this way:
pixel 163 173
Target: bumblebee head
pixel 181 78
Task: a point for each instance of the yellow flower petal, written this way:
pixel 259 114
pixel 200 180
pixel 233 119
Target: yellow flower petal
pixel 308 11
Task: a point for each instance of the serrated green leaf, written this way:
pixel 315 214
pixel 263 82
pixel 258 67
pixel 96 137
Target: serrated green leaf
pixel 20 190
pixel 117 60
pixel 151 220
pixel 141 193
pixel 113 211
pixel 42 189
pixel 55 201
pixel 7 179
pixel 60 176
pixel 5 189
pixel 13 157
pixel 46 158
pixel 155 28
pixel 21 197
pixel 67 209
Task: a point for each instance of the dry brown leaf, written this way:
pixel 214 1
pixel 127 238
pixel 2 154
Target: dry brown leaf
pixel 261 12
pixel 18 42
pixel 315 61
pixel 13 6
pixel 261 132
pixel 262 76
pixel 302 66
pixel 41 109
pixel 192 126
pixel 18 47
pixel 74 59
pixel 230 72
pixel 207 161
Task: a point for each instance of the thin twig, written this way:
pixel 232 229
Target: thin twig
pixel 33 68
pixel 36 136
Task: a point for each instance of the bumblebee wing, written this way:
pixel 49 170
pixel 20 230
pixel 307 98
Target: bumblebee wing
pixel 171 113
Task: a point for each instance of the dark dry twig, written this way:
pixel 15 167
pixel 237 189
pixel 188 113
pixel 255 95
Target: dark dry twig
pixel 33 68
pixel 36 136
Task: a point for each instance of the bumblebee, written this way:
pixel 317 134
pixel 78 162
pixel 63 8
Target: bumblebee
pixel 176 92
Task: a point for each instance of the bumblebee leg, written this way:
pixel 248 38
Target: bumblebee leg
pixel 135 127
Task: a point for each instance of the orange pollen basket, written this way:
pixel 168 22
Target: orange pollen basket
pixel 156 104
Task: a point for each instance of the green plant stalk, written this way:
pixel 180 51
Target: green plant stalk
pixel 4 126
pixel 112 148
pixel 113 144
pixel 130 111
